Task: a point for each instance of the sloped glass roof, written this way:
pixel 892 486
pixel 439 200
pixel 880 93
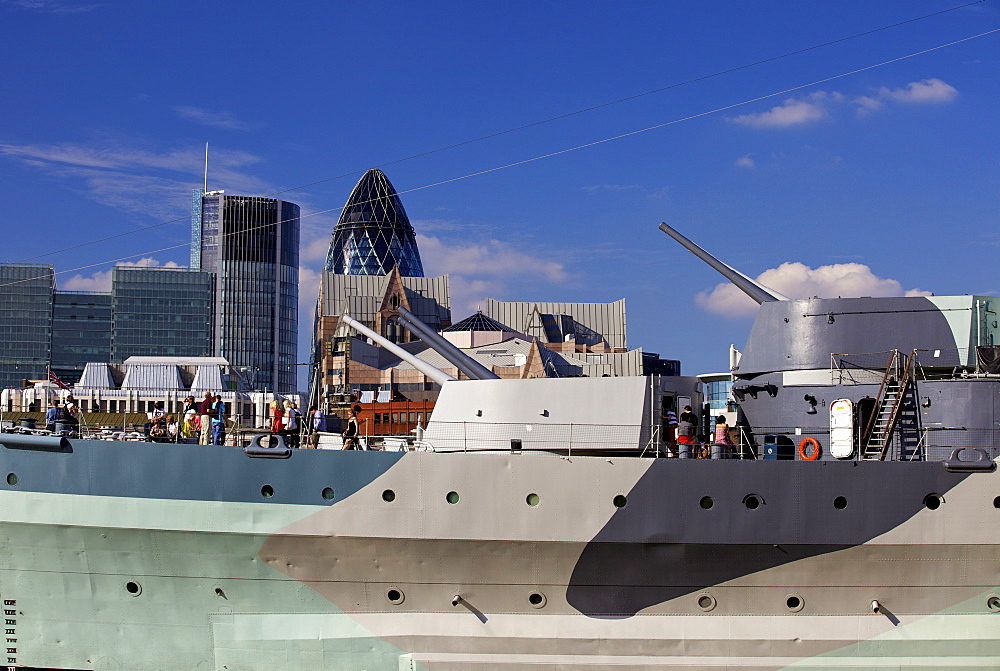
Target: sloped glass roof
pixel 479 322
pixel 374 234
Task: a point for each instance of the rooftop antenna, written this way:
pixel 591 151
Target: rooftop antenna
pixel 205 190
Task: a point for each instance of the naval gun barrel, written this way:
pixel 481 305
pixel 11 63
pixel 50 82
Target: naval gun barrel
pixel 427 369
pixel 465 363
pixel 750 287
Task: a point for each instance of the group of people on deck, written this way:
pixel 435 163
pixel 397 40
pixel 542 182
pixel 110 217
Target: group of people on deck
pixel 684 431
pixel 204 420
pixel 287 420
pixel 68 414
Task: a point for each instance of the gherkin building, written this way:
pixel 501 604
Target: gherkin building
pixel 374 233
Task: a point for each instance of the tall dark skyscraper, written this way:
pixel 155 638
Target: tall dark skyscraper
pixel 374 233
pixel 251 244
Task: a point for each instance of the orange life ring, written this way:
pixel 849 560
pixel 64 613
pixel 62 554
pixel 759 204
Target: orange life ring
pixel 815 451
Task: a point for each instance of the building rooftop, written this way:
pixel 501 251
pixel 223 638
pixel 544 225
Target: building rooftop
pixel 479 322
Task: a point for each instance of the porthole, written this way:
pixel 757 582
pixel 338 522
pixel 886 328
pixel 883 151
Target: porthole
pixel 794 603
pixel 328 493
pixel 933 501
pixel 706 602
pixel 12 479
pixel 452 498
pixel 840 502
pixel 707 502
pixel 536 599
pixel 267 491
pixel 532 500
pixel 752 501
pixel 996 501
pixel 388 496
pixel 993 603
pixel 620 501
pixel 395 596
pixel 133 588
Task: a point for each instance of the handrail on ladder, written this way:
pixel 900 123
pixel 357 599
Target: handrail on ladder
pixel 893 419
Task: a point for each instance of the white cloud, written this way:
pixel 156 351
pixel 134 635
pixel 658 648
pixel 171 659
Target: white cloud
pixel 101 280
pixel 745 162
pixel 662 192
pixel 469 295
pixel 648 192
pixel 792 112
pixel 215 119
pixel 478 270
pixel 53 6
pixel 314 250
pixel 493 258
pixel 308 292
pixel 925 91
pixel 156 184
pixel 797 280
pixel 189 161
pixel 867 104
pixel 821 104
pixel 612 187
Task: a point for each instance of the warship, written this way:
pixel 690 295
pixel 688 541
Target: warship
pixel 538 525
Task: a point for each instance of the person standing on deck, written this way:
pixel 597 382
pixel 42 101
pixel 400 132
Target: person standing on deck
pixel 156 413
pixel 71 412
pixel 687 427
pixel 317 424
pixel 52 415
pixel 670 430
pixel 351 434
pixel 205 408
pixel 218 421
pixel 292 428
pixel 722 439
pixel 277 417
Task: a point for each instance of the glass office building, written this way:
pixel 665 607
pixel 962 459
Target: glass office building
pixel 251 245
pixel 81 332
pixel 374 234
pixel 26 294
pixel 160 312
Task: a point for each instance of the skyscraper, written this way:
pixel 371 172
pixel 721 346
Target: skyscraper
pixel 160 312
pixel 374 233
pixel 251 244
pixel 372 268
pixel 26 295
pixel 81 332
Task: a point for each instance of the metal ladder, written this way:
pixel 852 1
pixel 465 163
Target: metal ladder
pixel 889 406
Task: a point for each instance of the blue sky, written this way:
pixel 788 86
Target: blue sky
pixel 880 182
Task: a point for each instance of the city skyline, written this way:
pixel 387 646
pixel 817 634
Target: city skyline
pixel 826 175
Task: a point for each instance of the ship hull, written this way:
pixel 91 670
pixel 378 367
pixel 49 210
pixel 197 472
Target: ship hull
pixel 135 556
